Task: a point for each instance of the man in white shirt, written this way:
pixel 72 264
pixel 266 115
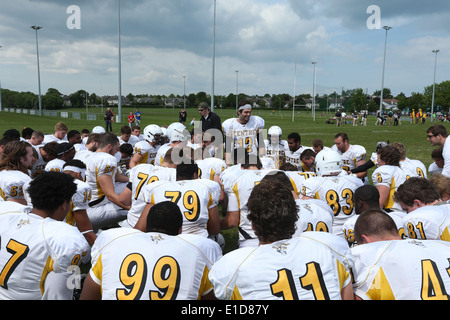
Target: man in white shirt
pixel 385 267
pixel 437 135
pixel 60 134
pixel 105 207
pixel 352 155
pixel 37 248
pixel 312 266
pixel 244 131
pixel 127 137
pixel 295 150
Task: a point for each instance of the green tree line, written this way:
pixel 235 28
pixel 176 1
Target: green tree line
pixel 351 100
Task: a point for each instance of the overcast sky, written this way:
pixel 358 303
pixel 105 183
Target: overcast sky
pixel 272 44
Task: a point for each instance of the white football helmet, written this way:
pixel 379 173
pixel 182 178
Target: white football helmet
pixel 152 133
pixel 98 129
pixel 178 132
pixel 274 131
pixel 328 163
pixel 381 144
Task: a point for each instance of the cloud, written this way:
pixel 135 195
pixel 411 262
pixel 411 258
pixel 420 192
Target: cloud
pixel 164 40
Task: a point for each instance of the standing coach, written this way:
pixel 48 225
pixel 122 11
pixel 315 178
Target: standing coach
pixel 209 119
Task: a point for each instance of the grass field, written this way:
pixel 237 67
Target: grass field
pixel 412 136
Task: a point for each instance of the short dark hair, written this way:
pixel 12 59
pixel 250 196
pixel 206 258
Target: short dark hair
pixel 438 129
pixel 374 223
pixel 437 153
pixel 50 148
pixel 186 171
pixel 273 211
pixel 127 149
pixel 368 194
pixel 125 130
pixel 51 189
pixel 72 133
pixel 317 143
pixel 288 167
pixel 13 133
pixel 107 138
pixel 401 148
pixel 295 136
pixel 279 177
pixel 243 103
pixel 416 188
pixel 27 132
pixel 391 155
pixel 93 137
pixel 164 217
pixel 307 154
pixel 342 135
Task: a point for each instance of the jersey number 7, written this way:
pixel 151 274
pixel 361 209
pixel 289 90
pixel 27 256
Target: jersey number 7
pixel 191 203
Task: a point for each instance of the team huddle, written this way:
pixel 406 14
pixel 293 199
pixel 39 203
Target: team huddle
pixel 144 212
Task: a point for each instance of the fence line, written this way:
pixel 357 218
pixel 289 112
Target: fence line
pixel 61 114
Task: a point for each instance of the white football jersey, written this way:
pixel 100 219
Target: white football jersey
pixel 391 177
pixel 314 215
pixel 350 157
pixel 83 155
pixel 141 176
pixel 401 270
pixel 12 184
pixel 161 153
pixel 414 168
pixel 434 169
pixel 277 152
pixel 155 267
pixel 55 165
pixel 80 200
pixel 244 135
pixel 268 163
pixel 238 185
pixel 337 192
pixel 428 223
pixel 147 151
pixel 132 140
pixel 100 163
pixel 193 197
pixel 210 167
pixel 298 178
pixel 30 248
pixel 314 265
pixel 79 147
pixel 349 226
pixel 12 206
pixel 293 157
pixel 51 138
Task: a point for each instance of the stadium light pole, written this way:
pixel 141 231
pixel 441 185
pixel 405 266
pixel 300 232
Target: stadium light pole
pixel 434 82
pixel 36 28
pixel 213 58
pixel 184 91
pixel 120 70
pixel 387 28
pixel 237 89
pixel 314 91
pixel 295 84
